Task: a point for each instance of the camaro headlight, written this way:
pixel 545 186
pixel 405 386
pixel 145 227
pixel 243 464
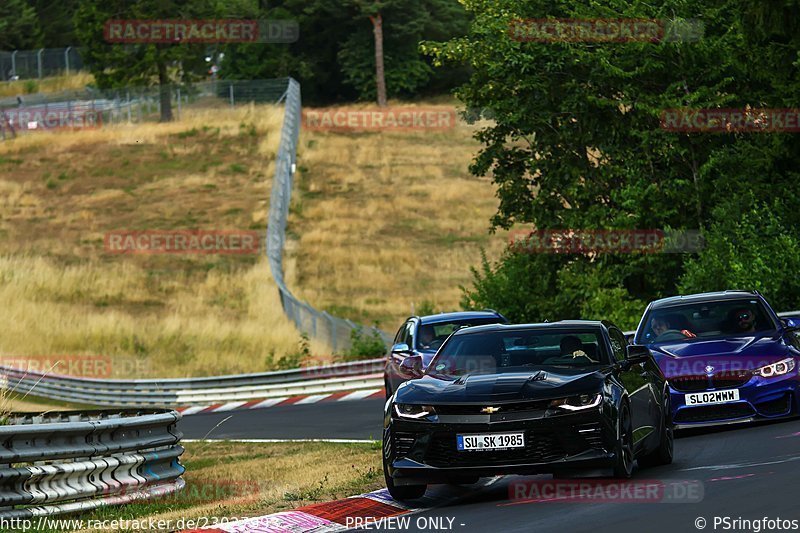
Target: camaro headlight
pixel 578 403
pixel 775 369
pixel 406 410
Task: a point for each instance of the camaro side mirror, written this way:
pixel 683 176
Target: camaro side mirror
pixel 401 349
pixel 635 354
pixel 411 367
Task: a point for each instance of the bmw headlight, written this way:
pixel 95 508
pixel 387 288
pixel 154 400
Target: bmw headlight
pixel 406 410
pixel 775 369
pixel 577 403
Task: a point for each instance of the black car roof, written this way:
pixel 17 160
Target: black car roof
pixel 583 324
pixel 702 297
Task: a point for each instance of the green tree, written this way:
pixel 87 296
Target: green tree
pixel 117 65
pixel 334 58
pixel 577 142
pixel 19 26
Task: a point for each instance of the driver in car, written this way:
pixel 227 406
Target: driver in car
pixel 426 337
pixel 744 320
pixel 661 325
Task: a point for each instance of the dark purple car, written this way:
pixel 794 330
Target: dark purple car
pixel 727 355
pixel 419 337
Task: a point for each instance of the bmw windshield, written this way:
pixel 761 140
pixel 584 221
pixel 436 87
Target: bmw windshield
pixel 516 350
pixel 705 320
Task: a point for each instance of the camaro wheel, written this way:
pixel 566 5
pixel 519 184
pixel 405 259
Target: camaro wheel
pixel 663 454
pixel 623 466
pixel 402 492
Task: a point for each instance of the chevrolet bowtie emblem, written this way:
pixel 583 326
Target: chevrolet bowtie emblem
pixel 490 410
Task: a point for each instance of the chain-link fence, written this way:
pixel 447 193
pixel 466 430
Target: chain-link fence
pixel 317 324
pixel 91 108
pixel 30 64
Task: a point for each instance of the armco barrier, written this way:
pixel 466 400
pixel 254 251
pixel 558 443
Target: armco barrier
pixel 317 324
pixel 57 463
pixel 181 392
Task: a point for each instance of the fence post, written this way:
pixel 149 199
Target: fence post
pixel 230 90
pixel 179 102
pixel 66 58
pixel 14 63
pixel 128 104
pixel 39 61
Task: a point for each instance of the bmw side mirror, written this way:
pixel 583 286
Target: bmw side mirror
pixel 791 324
pixel 411 367
pixel 401 349
pixel 635 354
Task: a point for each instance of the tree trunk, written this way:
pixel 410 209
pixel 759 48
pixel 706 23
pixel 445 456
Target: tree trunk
pixel 380 77
pixel 164 92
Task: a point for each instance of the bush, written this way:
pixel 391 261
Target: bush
pixel 365 345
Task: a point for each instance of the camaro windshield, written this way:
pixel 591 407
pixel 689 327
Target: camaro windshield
pixel 495 352
pixel 705 320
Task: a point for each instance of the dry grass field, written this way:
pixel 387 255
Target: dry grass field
pixel 176 315
pixel 382 224
pixel 389 222
pixel 52 84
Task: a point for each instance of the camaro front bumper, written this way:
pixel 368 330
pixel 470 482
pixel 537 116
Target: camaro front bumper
pixel 759 399
pixel 420 452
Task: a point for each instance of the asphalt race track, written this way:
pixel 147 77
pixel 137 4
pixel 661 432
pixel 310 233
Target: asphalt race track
pixel 360 419
pixel 749 472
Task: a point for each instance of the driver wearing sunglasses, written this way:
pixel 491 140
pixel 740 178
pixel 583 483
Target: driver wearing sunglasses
pixel 744 320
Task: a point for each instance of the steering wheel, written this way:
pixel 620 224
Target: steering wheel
pixel 670 335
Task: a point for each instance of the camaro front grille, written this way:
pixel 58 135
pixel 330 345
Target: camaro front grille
pixel 541 446
pixel 516 407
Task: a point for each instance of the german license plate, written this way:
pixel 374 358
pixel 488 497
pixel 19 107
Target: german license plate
pixel 490 441
pixel 712 397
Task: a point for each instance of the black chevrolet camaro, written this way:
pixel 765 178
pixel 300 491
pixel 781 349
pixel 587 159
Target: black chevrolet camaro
pixel 526 399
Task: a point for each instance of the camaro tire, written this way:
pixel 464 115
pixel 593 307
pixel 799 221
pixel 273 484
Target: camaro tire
pixel 623 465
pixel 402 492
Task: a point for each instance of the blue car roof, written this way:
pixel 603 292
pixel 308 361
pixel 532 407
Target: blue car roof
pixel 703 297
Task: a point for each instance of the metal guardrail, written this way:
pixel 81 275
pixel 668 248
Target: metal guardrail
pixel 183 392
pixel 318 324
pixel 57 463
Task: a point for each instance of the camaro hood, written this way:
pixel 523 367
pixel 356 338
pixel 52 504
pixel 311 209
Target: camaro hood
pixel 718 355
pixel 513 386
